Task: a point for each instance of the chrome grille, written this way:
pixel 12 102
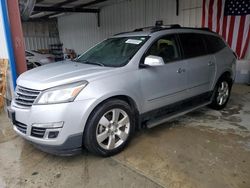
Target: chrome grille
pixel 25 97
pixel 38 132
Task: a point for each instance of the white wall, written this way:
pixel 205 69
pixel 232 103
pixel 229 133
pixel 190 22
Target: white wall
pixel 3 46
pixel 4 55
pixel 80 31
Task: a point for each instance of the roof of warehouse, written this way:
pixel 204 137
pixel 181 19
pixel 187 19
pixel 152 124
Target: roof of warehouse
pixel 75 3
pixel 50 8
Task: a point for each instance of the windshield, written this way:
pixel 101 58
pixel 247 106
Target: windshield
pixel 113 52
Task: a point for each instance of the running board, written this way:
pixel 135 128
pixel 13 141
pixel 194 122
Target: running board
pixel 158 121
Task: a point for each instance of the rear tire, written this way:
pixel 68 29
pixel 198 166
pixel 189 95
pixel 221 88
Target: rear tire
pixel 109 128
pixel 221 93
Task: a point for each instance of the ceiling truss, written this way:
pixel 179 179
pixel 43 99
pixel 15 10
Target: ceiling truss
pixel 62 7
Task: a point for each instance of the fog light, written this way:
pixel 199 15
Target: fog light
pixel 53 134
pixel 49 125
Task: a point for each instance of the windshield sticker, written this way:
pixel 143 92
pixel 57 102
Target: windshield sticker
pixel 133 41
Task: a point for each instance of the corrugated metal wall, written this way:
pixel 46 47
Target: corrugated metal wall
pixel 34 43
pixel 80 31
pixel 38 35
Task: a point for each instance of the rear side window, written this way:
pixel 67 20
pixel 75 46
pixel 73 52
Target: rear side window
pixel 193 45
pixel 214 44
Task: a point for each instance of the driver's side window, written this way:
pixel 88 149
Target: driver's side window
pixel 165 47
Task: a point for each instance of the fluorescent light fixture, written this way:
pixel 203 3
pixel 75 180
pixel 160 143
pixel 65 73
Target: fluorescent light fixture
pixel 57 15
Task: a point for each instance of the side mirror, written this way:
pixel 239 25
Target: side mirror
pixel 153 61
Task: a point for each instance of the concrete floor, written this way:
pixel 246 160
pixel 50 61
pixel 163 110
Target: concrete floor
pixel 203 149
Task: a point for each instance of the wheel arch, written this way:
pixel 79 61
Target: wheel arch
pixel 125 98
pixel 226 74
pixel 131 102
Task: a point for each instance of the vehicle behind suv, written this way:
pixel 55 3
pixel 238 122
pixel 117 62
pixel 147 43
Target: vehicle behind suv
pixel 35 59
pixel 127 82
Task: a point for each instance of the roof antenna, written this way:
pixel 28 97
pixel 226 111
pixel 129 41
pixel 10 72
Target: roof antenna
pixel 159 23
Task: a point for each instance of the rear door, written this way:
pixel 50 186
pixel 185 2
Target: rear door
pixel 198 63
pixel 214 47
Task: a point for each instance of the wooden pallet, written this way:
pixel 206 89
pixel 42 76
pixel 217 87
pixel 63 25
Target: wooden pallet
pixel 3 80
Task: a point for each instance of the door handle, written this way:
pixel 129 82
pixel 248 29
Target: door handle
pixel 210 63
pixel 180 70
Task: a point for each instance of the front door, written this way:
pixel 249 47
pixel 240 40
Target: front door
pixel 165 84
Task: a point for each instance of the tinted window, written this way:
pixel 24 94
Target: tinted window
pixel 193 45
pixel 165 47
pixel 214 44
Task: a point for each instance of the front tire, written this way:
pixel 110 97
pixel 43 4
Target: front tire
pixel 221 93
pixel 109 128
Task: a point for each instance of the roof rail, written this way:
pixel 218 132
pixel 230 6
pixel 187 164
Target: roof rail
pixel 157 28
pixel 165 27
pixel 202 29
pixel 152 29
pixel 143 28
pixel 205 28
pixel 160 27
pixel 122 33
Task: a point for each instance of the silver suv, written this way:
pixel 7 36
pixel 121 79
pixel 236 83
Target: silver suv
pixel 130 81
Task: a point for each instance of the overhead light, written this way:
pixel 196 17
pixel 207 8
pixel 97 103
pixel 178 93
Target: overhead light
pixel 40 14
pixel 57 15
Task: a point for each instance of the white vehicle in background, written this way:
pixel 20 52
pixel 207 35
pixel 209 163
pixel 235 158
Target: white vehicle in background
pixel 36 59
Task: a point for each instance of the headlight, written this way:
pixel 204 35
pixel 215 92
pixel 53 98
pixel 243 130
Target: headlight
pixel 61 94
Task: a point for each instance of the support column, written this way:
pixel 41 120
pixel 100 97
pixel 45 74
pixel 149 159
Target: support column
pixel 17 36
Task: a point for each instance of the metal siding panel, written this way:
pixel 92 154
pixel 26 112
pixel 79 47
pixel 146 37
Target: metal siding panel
pixel 80 31
pixel 26 42
pixel 36 35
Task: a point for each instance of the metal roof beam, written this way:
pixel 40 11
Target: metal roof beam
pixel 60 9
pixel 63 3
pixel 58 5
pixel 39 1
pixel 90 3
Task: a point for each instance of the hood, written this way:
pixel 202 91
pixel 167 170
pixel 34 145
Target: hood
pixel 60 73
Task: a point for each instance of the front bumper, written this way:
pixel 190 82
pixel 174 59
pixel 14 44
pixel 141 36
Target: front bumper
pixel 72 146
pixel 69 139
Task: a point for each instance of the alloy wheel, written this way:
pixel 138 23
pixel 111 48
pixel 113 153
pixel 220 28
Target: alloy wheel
pixel 113 129
pixel 223 93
